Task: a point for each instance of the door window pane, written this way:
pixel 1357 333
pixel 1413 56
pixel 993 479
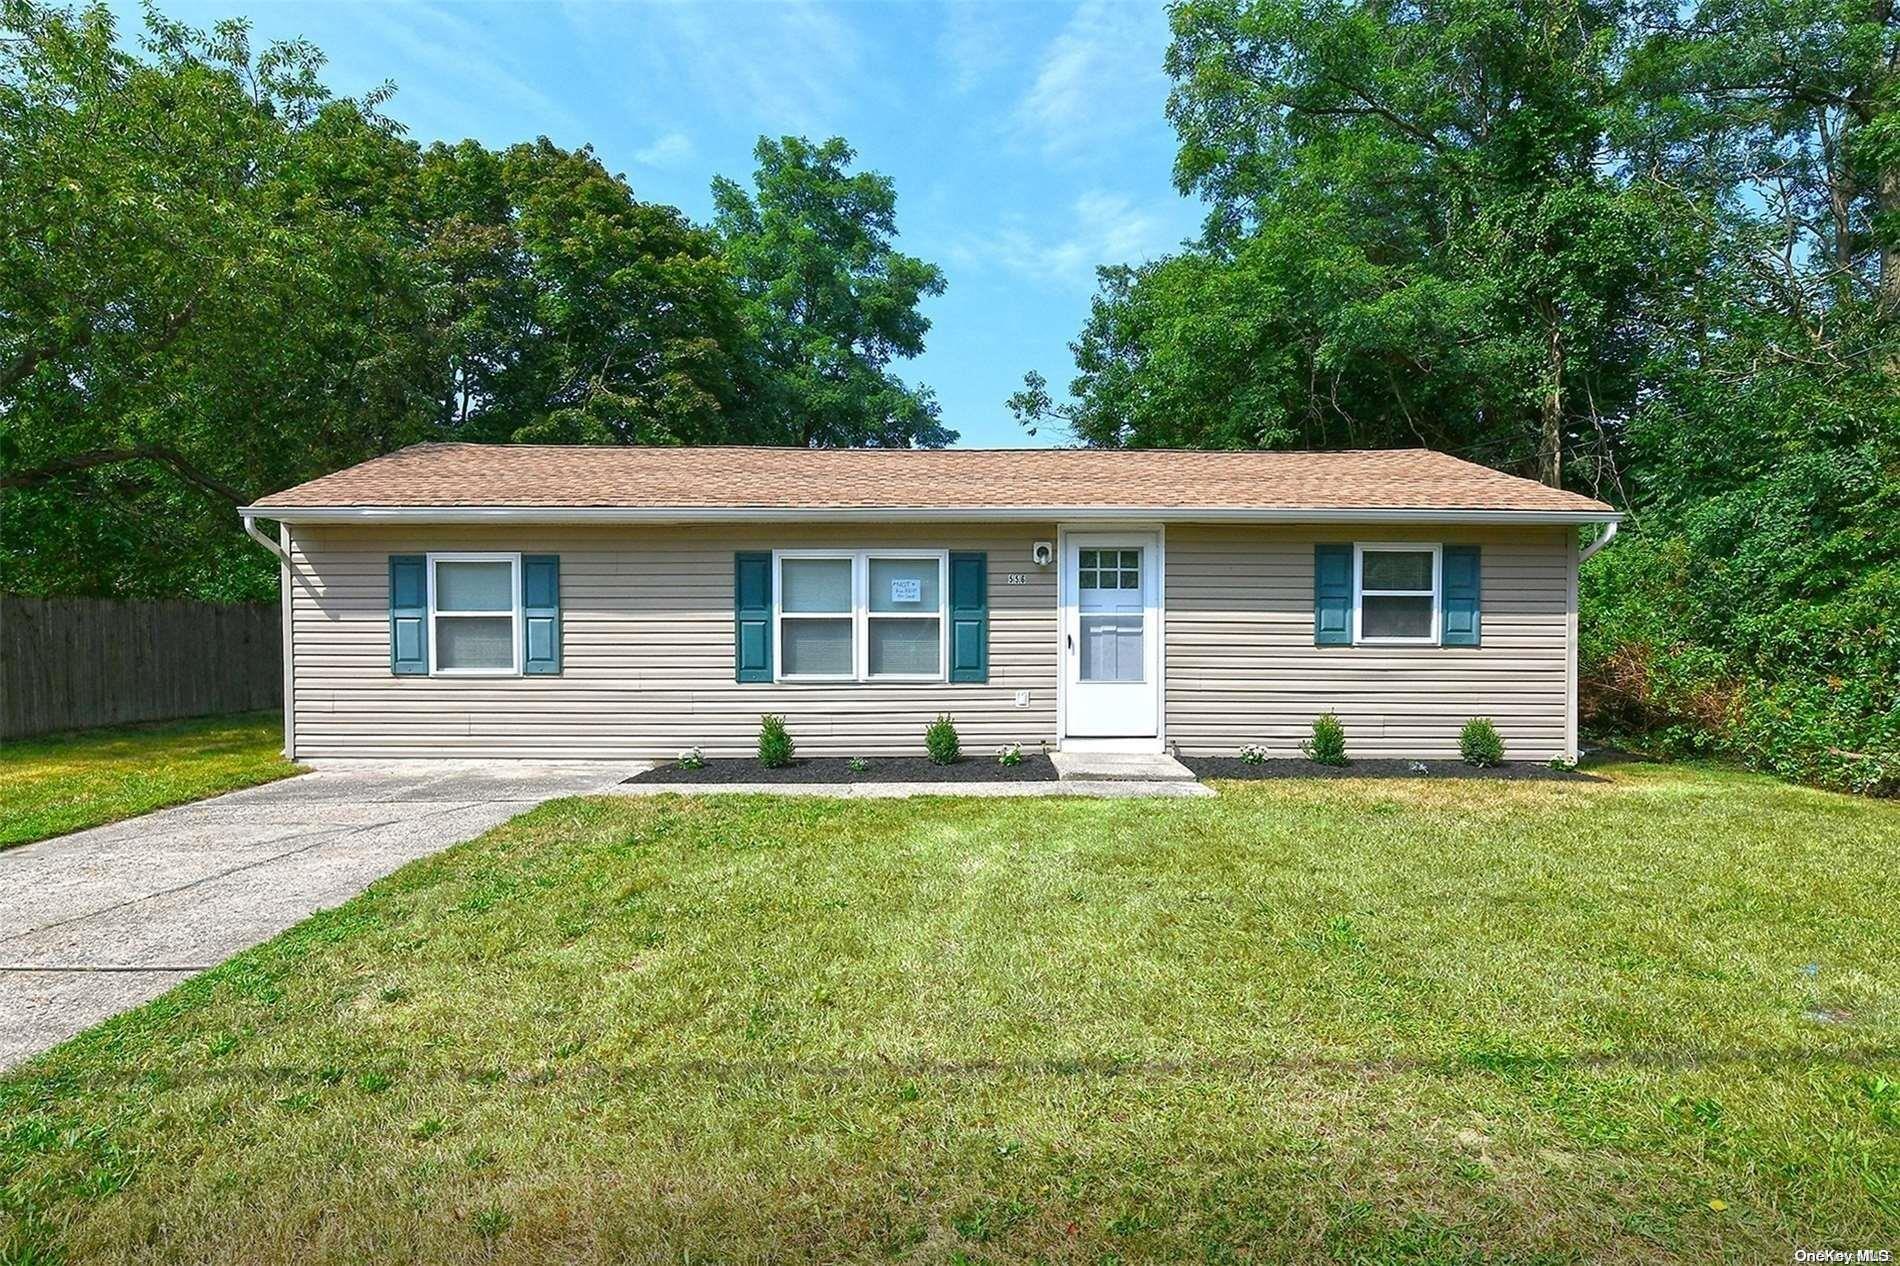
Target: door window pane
pixel 905 647
pixel 1108 569
pixel 815 647
pixel 467 641
pixel 474 586
pixel 817 584
pixel 1393 569
pixel 1111 648
pixel 1395 617
pixel 903 584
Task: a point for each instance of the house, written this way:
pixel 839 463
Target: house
pixel 568 602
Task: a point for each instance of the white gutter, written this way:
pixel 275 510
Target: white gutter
pixel 885 514
pixel 250 530
pixel 1608 535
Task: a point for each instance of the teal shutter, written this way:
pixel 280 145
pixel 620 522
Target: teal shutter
pixel 409 614
pixel 969 617
pixel 541 614
pixel 752 616
pixel 1458 618
pixel 1332 595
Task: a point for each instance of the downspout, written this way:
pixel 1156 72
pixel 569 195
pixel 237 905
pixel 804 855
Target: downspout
pixel 277 551
pixel 281 551
pixel 1609 534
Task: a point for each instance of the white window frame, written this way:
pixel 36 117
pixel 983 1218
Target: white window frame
pixel 860 615
pixel 514 589
pixel 1359 592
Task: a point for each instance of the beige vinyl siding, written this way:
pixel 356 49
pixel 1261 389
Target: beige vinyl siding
pixel 647 638
pixel 1242 667
pixel 648 627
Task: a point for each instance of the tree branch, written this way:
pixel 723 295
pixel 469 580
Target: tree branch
pixel 114 456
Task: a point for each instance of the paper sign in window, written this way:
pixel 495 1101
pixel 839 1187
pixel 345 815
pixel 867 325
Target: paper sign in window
pixel 906 589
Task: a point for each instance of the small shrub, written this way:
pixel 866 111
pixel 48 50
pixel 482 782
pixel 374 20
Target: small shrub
pixel 1254 753
pixel 1562 764
pixel 1010 755
pixel 775 743
pixel 941 741
pixel 692 758
pixel 859 764
pixel 1479 743
pixel 1328 744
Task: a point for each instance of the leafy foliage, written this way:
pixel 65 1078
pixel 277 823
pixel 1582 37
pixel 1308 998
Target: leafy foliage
pixel 941 741
pixel 830 299
pixel 575 312
pixel 218 280
pixel 776 747
pixel 1327 746
pixel 1480 744
pixel 204 293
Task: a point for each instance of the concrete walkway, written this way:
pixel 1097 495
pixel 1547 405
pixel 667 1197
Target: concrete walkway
pixel 99 921
pixel 1143 767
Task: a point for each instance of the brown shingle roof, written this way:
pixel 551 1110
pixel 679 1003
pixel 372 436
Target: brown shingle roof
pixel 799 479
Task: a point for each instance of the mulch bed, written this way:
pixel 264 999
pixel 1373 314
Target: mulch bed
pixel 1205 767
pixel 837 769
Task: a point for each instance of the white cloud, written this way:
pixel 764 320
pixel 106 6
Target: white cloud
pixel 1103 228
pixel 671 150
pixel 788 67
pixel 1100 77
pixel 454 47
pixel 980 39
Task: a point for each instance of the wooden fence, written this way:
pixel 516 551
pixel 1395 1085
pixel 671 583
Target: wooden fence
pixel 69 663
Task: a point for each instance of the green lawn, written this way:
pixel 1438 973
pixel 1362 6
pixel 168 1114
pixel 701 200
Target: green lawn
pixel 66 782
pixel 1651 1018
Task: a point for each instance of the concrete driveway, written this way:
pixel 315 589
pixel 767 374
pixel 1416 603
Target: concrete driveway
pixel 99 921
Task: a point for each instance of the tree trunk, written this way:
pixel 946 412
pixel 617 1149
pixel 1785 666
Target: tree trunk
pixel 1550 448
pixel 1890 249
pixel 1887 180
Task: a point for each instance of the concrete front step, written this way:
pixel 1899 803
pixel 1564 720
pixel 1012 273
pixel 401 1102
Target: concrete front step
pixel 1119 767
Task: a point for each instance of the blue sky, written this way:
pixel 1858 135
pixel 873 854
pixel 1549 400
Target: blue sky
pixel 1027 139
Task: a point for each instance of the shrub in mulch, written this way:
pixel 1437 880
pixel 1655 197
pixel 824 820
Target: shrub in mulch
pixel 1205 767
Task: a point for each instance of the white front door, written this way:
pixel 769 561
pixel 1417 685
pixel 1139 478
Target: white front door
pixel 1111 585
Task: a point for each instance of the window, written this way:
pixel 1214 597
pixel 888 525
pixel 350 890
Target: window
pixel 865 615
pixel 1395 589
pixel 475 614
pixel 1111 615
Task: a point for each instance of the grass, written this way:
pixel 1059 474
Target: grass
pixel 67 782
pixel 1647 1019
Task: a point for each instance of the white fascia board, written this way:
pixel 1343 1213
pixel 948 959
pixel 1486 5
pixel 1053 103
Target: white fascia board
pixel 885 514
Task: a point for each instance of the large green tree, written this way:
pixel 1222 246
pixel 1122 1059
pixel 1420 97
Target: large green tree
pixel 218 280
pixel 830 298
pixel 207 291
pixel 1418 233
pixel 576 312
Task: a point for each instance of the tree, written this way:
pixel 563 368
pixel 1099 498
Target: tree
pixel 829 298
pixel 206 292
pixel 1419 209
pixel 578 313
